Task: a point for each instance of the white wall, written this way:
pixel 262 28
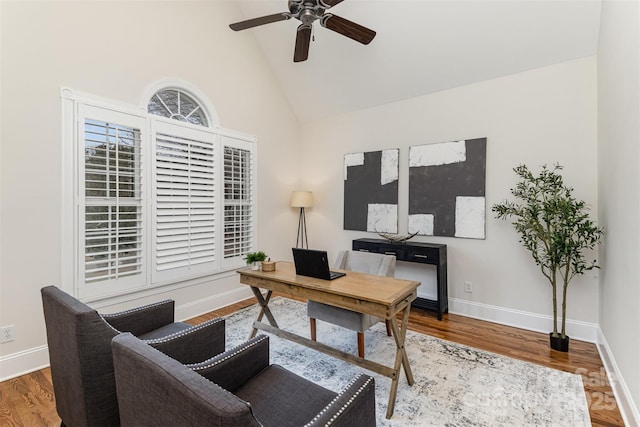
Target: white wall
pixel 116 50
pixel 541 116
pixel 619 188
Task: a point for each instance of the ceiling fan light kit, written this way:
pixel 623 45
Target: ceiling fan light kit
pixel 307 12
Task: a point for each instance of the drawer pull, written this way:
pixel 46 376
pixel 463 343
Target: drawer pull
pixel 363 250
pixel 420 256
pixel 389 253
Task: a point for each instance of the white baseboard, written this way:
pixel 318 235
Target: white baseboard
pixel 626 405
pixel 23 362
pixel 20 363
pixel 212 302
pixel 578 330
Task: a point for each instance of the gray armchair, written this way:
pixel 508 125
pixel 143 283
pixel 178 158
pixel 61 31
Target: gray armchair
pixel 362 262
pixel 79 341
pixel 235 388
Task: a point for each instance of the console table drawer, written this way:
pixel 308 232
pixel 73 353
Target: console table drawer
pixel 425 255
pixel 398 253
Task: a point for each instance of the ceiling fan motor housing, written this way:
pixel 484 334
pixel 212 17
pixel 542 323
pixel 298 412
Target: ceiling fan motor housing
pixel 307 11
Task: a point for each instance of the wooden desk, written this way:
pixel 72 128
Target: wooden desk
pixel 380 296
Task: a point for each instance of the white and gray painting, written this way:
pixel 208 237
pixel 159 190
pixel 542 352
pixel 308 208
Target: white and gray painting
pixel 447 189
pixel 371 191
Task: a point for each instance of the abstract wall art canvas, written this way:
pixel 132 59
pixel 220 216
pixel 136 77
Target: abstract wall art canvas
pixel 447 189
pixel 371 191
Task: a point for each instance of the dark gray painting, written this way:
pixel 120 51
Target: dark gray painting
pixel 371 191
pixel 447 189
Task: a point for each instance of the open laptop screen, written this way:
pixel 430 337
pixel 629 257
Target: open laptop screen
pixel 313 263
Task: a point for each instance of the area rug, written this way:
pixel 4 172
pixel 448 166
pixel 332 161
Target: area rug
pixel 455 385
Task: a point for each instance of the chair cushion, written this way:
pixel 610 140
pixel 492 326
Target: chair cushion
pixel 341 316
pixel 165 331
pixel 281 398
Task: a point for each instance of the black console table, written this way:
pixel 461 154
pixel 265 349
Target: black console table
pixel 424 253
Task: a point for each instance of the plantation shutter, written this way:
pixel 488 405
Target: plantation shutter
pixel 110 201
pixel 239 197
pixel 152 198
pixel 184 202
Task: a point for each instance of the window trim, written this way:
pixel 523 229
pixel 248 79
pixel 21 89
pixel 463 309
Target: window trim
pixel 84 112
pixel 72 251
pixel 189 89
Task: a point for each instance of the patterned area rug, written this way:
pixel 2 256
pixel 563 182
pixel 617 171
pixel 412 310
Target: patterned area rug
pixel 455 385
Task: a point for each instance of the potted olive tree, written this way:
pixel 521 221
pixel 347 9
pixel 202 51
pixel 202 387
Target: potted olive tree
pixel 555 227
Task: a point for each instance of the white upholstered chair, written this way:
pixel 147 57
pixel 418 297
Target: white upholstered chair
pixel 362 262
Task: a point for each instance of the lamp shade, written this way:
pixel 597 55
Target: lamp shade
pixel 301 199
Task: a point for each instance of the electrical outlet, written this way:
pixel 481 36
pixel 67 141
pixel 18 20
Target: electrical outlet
pixel 468 287
pixel 7 334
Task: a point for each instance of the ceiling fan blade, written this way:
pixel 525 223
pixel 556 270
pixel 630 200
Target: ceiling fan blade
pixel 250 23
pixel 347 28
pixel 303 39
pixel 329 3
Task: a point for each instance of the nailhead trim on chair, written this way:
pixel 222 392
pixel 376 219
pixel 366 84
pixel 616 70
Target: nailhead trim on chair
pixel 230 353
pixel 345 406
pixel 132 310
pixel 184 331
pixel 173 335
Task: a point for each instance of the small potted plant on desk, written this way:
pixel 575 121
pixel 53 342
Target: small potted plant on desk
pixel 555 227
pixel 255 258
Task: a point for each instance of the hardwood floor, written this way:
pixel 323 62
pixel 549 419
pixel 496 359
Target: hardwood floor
pixel 28 401
pixel 583 357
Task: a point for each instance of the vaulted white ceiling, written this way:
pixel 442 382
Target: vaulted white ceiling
pixel 421 47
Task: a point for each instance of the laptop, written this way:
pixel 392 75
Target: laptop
pixel 313 263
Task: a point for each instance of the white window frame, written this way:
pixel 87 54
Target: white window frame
pixel 74 103
pixel 244 142
pixel 134 121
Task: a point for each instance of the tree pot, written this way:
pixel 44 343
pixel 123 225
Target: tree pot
pixel 558 343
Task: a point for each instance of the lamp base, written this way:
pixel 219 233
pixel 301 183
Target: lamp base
pixel 302 240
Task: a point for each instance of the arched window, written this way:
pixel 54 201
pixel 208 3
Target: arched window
pixel 164 196
pixel 178 105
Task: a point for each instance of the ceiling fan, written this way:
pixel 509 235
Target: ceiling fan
pixel 308 11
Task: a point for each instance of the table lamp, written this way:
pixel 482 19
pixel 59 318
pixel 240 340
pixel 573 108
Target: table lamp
pixel 302 199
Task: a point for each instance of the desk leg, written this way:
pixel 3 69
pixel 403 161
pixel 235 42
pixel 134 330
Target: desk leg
pixel 264 311
pixel 401 358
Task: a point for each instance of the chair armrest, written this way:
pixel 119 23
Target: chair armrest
pixel 193 344
pixel 236 366
pixel 143 319
pixel 355 405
